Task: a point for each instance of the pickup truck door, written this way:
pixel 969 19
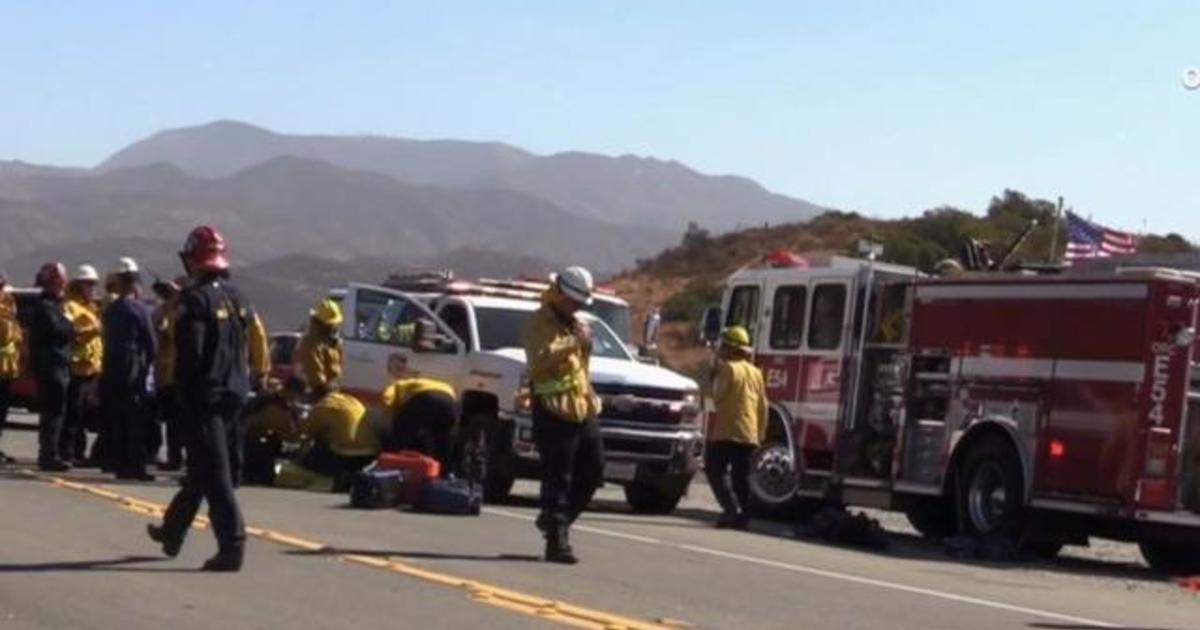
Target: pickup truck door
pixel 378 325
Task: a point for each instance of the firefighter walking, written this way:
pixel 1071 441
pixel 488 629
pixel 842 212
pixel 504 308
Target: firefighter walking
pixel 740 426
pixel 10 354
pixel 558 348
pixel 212 378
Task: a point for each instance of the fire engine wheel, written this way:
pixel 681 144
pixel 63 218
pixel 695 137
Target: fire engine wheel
pixel 773 479
pixel 990 488
pixel 1172 558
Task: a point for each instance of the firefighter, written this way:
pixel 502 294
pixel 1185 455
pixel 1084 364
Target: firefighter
pixel 421 404
pixel 130 347
pixel 271 420
pixel 10 354
pixel 740 426
pixel 164 370
pixel 341 438
pixel 558 347
pixel 50 337
pixel 212 378
pixel 319 353
pixel 87 353
pixel 259 355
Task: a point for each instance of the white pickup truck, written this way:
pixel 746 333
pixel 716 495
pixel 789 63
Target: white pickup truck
pixel 651 418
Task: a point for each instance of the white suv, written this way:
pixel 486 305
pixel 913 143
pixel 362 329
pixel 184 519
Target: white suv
pixel 651 417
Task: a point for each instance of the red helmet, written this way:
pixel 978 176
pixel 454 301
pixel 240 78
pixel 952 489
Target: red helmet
pixel 51 275
pixel 205 250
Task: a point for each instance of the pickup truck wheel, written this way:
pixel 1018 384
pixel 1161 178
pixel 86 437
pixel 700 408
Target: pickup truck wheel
pixel 1171 558
pixel 990 491
pixel 773 481
pixel 648 499
pixel 488 454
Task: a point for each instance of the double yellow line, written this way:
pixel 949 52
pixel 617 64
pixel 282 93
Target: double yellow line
pixel 479 592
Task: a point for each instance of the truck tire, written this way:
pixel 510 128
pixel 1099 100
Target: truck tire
pixel 645 498
pixel 488 449
pixel 1171 558
pixel 933 518
pixel 773 481
pixel 990 491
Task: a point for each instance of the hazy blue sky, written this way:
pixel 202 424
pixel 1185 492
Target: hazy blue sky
pixel 887 108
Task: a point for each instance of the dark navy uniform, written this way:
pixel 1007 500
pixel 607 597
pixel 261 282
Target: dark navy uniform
pixel 50 336
pixel 212 380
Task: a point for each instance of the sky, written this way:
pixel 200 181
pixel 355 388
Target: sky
pixel 884 108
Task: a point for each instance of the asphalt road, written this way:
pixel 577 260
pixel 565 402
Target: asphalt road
pixel 75 556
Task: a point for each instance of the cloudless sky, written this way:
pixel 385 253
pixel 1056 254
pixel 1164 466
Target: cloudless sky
pixel 886 108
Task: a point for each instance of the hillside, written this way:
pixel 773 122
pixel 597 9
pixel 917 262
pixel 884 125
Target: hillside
pixel 626 190
pixel 684 279
pixel 295 205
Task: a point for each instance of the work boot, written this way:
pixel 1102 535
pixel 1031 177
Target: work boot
pixel 170 547
pixel 227 560
pixel 558 547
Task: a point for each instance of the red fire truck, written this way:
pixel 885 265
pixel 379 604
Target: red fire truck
pixel 1040 408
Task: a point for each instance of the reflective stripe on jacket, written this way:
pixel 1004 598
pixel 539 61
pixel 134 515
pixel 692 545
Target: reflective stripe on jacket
pixel 559 365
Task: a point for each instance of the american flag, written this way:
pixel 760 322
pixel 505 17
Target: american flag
pixel 1090 240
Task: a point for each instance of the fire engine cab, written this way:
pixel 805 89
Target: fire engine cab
pixel 1040 408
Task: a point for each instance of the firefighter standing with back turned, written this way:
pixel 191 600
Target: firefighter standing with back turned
pixel 741 424
pixel 558 348
pixel 212 379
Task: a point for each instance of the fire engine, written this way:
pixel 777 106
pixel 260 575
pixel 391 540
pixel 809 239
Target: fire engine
pixel 1043 409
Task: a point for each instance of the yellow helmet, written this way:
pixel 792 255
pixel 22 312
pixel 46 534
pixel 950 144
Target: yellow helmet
pixel 735 336
pixel 327 312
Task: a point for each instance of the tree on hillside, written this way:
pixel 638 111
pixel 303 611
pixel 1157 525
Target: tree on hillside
pixel 1170 244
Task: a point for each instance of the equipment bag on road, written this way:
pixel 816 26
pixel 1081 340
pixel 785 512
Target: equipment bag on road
pixel 374 489
pixel 418 469
pixel 451 496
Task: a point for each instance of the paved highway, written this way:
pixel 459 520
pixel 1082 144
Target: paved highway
pixel 75 556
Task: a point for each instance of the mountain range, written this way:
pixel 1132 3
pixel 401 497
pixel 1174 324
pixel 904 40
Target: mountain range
pixel 358 206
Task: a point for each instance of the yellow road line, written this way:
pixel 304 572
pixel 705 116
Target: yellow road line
pixel 479 592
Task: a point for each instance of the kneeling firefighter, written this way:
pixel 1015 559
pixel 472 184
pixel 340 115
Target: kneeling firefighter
pixel 558 348
pixel 421 405
pixel 343 440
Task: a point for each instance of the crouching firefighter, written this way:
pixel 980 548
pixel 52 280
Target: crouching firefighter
pixel 212 379
pixel 740 426
pixel 558 348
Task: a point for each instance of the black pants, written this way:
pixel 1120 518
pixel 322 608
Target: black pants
pixel 130 422
pixel 168 413
pixel 72 442
pixel 208 478
pixel 235 437
pixel 572 456
pixel 431 413
pixel 52 408
pixel 727 466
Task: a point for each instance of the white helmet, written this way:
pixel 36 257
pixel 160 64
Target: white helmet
pixel 577 284
pixel 127 265
pixel 86 273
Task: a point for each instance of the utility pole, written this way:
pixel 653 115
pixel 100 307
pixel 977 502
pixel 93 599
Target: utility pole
pixel 1054 235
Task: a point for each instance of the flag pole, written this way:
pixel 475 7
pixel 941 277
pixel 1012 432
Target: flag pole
pixel 1054 234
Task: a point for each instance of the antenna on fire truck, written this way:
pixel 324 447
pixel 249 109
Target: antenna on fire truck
pixel 871 251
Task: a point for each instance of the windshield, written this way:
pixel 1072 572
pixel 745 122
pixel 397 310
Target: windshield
pixel 501 328
pixel 616 316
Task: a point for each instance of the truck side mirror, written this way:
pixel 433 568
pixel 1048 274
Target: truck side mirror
pixel 710 325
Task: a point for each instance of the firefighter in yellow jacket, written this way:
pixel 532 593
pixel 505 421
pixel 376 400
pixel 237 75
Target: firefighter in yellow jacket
pixel 10 353
pixel 558 348
pixel 419 403
pixel 87 355
pixel 740 426
pixel 319 354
